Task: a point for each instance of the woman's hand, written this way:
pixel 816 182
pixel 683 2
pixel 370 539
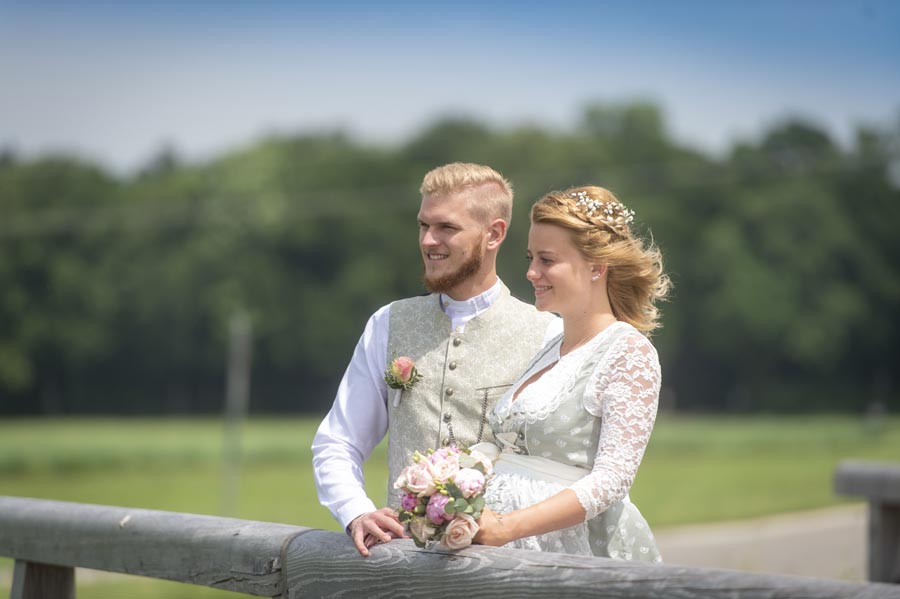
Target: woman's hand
pixel 491 530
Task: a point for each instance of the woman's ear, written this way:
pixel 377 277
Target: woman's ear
pixel 597 271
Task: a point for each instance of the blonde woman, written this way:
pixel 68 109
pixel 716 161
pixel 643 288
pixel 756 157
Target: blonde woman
pixel 571 431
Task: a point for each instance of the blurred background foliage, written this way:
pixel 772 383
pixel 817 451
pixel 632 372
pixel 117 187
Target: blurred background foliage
pixel 115 294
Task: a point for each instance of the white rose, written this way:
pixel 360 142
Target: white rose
pixel 485 462
pixel 419 479
pixel 402 480
pixel 421 529
pixel 444 469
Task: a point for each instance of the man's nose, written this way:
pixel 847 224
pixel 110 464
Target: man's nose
pixel 428 238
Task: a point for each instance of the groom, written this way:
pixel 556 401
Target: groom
pixel 469 339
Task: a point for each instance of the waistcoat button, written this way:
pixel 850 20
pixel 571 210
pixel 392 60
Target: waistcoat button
pixel 456 341
pixel 452 366
pixel 448 392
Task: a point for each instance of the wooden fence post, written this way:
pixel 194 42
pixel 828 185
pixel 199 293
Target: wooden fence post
pixel 879 482
pixel 32 580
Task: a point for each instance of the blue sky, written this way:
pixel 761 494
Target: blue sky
pixel 116 81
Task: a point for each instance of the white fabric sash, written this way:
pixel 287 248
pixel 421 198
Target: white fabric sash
pixel 531 466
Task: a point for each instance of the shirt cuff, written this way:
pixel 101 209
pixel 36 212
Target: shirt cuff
pixel 354 508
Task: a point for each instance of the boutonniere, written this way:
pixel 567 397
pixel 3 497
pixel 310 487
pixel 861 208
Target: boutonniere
pixel 401 374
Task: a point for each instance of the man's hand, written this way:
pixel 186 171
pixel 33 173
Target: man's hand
pixel 375 527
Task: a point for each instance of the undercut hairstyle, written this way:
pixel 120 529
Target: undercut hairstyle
pixel 598 225
pixel 489 194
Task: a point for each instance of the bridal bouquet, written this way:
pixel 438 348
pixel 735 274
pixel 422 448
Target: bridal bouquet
pixel 443 496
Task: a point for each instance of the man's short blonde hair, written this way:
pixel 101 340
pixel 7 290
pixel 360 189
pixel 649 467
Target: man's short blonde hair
pixel 490 196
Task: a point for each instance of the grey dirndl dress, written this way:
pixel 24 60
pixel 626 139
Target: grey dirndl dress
pixel 584 425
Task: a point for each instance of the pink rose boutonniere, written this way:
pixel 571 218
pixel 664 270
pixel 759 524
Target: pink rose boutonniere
pixel 443 496
pixel 401 374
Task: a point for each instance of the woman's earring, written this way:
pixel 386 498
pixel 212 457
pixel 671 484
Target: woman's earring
pixel 596 276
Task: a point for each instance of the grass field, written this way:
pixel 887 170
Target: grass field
pixel 695 470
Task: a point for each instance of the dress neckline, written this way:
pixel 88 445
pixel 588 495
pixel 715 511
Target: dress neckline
pixel 555 346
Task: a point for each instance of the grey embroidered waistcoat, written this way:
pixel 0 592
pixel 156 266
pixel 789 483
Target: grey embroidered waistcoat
pixel 463 373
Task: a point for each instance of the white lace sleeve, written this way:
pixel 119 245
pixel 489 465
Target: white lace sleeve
pixel 624 391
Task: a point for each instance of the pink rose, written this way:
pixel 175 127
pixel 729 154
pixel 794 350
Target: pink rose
pixel 470 482
pixel 409 502
pixel 421 529
pixel 419 479
pixel 402 369
pixel 460 532
pixel 444 468
pixel 435 510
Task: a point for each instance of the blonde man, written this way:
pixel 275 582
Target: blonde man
pixel 469 339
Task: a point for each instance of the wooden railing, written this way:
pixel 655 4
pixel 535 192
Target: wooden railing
pixel 879 482
pixel 48 539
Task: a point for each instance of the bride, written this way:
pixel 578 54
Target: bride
pixel 572 430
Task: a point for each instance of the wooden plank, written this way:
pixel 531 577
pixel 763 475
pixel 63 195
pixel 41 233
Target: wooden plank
pixel 325 564
pixel 875 480
pixel 277 560
pixel 42 581
pixel 225 553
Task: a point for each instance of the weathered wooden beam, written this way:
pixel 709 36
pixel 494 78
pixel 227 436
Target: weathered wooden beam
pixel 325 564
pixel 876 480
pixel 225 553
pixel 42 581
pixel 277 560
pixel 879 482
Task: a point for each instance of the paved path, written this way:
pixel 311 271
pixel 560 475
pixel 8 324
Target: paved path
pixel 826 543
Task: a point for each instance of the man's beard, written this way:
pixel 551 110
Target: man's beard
pixel 450 280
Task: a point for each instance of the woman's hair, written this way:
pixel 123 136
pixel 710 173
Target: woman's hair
pixel 600 229
pixel 490 194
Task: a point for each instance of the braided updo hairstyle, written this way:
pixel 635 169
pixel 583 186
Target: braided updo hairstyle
pixel 599 227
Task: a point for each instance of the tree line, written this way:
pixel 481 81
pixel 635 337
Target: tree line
pixel 115 293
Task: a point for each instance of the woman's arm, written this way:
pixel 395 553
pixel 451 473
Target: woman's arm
pixel 559 511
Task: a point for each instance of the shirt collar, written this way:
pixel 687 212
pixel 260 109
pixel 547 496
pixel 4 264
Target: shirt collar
pixel 473 305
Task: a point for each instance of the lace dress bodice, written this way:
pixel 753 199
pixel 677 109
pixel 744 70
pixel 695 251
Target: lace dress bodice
pixel 589 411
pixel 594 409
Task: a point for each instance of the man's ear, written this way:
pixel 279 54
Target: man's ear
pixel 496 231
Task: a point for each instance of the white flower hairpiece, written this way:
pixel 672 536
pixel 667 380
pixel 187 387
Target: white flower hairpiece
pixel 613 214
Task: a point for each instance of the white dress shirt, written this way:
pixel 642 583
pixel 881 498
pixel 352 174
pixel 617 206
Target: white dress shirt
pixel 358 420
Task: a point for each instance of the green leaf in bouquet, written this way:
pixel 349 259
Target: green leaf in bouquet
pixel 477 503
pixel 405 516
pixel 460 505
pixel 453 490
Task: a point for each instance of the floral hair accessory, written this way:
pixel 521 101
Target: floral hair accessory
pixel 401 374
pixel 443 496
pixel 612 214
